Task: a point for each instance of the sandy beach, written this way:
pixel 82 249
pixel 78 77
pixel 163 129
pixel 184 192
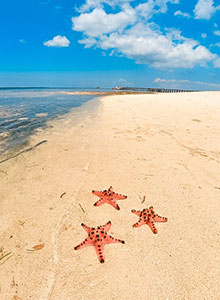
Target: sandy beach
pixel 165 147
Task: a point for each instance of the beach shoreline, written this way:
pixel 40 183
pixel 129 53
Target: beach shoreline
pixel 157 149
pixel 12 148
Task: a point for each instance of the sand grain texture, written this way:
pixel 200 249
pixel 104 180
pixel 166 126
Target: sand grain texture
pixel 165 147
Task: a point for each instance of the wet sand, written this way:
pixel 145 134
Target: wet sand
pixel 165 147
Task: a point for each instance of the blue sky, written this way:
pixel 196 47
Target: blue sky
pixel 166 43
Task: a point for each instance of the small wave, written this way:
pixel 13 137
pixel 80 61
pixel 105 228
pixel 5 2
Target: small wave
pixel 4 135
pixel 18 124
pixel 23 119
pixel 6 114
pixel 41 115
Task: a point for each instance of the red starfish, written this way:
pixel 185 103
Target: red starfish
pixel 148 216
pixel 98 238
pixel 108 196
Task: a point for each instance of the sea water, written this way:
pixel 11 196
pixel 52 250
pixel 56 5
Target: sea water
pixel 23 111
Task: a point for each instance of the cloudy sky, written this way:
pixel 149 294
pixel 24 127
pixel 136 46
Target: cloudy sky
pixel 166 43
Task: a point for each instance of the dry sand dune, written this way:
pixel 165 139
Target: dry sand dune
pixel 165 147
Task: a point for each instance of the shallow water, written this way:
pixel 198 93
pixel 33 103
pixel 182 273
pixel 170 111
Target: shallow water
pixel 22 112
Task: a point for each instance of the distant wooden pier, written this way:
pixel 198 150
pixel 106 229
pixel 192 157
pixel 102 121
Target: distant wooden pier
pixel 154 90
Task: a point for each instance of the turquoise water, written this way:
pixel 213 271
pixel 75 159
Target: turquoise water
pixel 22 111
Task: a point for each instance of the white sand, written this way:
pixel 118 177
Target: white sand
pixel 165 147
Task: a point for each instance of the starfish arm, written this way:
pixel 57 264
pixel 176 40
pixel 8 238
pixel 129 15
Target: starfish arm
pixel 119 197
pixel 107 226
pixel 152 227
pixel 100 202
pixel 86 228
pixel 97 193
pixel 136 212
pixel 158 218
pixel 114 204
pixel 139 223
pixel 84 244
pixel 99 247
pixel 110 240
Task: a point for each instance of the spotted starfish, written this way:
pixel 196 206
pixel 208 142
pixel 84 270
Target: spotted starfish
pixel 98 238
pixel 108 196
pixel 148 216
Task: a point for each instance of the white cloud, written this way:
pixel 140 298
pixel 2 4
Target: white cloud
pixel 123 80
pixel 147 46
pixel 186 81
pixel 205 9
pixel 217 63
pixel 98 22
pixel 147 9
pixel 130 33
pixel 94 20
pixel 88 42
pixel 182 14
pixel 57 41
pixel 171 80
pixel 203 35
pixel 217 32
pixel 158 5
pixel 91 4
